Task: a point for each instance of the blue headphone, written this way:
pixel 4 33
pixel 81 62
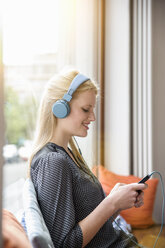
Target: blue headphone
pixel 61 108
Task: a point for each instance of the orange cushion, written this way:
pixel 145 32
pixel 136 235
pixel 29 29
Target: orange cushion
pixel 13 233
pixel 137 217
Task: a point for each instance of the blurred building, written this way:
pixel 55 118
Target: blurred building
pixel 31 77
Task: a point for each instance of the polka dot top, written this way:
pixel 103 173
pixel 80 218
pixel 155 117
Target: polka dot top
pixel 66 195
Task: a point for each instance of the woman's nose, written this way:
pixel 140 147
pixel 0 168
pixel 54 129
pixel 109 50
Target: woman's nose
pixel 92 116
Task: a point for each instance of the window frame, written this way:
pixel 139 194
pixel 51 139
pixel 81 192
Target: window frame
pixel 1 131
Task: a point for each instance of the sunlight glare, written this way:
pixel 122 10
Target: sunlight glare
pixel 29 27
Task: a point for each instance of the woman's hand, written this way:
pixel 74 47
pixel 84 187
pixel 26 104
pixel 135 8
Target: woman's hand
pixel 125 196
pixel 139 200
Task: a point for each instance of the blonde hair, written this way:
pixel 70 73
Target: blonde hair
pixel 46 124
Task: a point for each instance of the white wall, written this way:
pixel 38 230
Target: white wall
pixel 158 78
pixel 117 89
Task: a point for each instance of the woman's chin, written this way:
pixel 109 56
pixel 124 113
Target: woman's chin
pixel 82 134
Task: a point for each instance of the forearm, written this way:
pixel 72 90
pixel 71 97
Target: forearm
pixel 96 219
pixel 122 197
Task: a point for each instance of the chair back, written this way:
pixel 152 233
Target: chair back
pixel 37 230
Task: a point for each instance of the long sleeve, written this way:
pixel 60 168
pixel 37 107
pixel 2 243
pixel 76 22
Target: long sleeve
pixel 67 195
pixel 53 181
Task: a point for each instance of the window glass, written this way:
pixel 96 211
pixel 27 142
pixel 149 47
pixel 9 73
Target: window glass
pixel 30 43
pixel 39 39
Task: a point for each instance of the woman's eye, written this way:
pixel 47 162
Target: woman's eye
pixel 85 110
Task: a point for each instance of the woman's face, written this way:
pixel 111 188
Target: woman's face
pixel 81 114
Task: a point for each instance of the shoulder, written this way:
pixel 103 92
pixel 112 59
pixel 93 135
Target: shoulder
pixel 50 159
pixel 48 152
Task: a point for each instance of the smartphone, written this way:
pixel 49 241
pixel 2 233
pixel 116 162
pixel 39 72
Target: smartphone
pixel 143 180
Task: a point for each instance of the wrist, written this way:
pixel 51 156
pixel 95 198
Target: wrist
pixel 111 204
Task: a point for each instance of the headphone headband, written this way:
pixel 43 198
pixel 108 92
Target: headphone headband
pixel 76 82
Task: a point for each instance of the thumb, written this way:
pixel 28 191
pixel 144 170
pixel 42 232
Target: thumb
pixel 140 186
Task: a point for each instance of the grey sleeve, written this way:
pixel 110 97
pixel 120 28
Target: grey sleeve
pixel 53 182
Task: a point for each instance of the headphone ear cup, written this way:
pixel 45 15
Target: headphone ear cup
pixel 61 109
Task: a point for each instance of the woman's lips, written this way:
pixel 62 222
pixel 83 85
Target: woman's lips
pixel 86 125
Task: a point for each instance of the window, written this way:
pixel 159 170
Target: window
pixel 39 39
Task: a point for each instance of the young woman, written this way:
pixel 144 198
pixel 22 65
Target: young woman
pixel 74 206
